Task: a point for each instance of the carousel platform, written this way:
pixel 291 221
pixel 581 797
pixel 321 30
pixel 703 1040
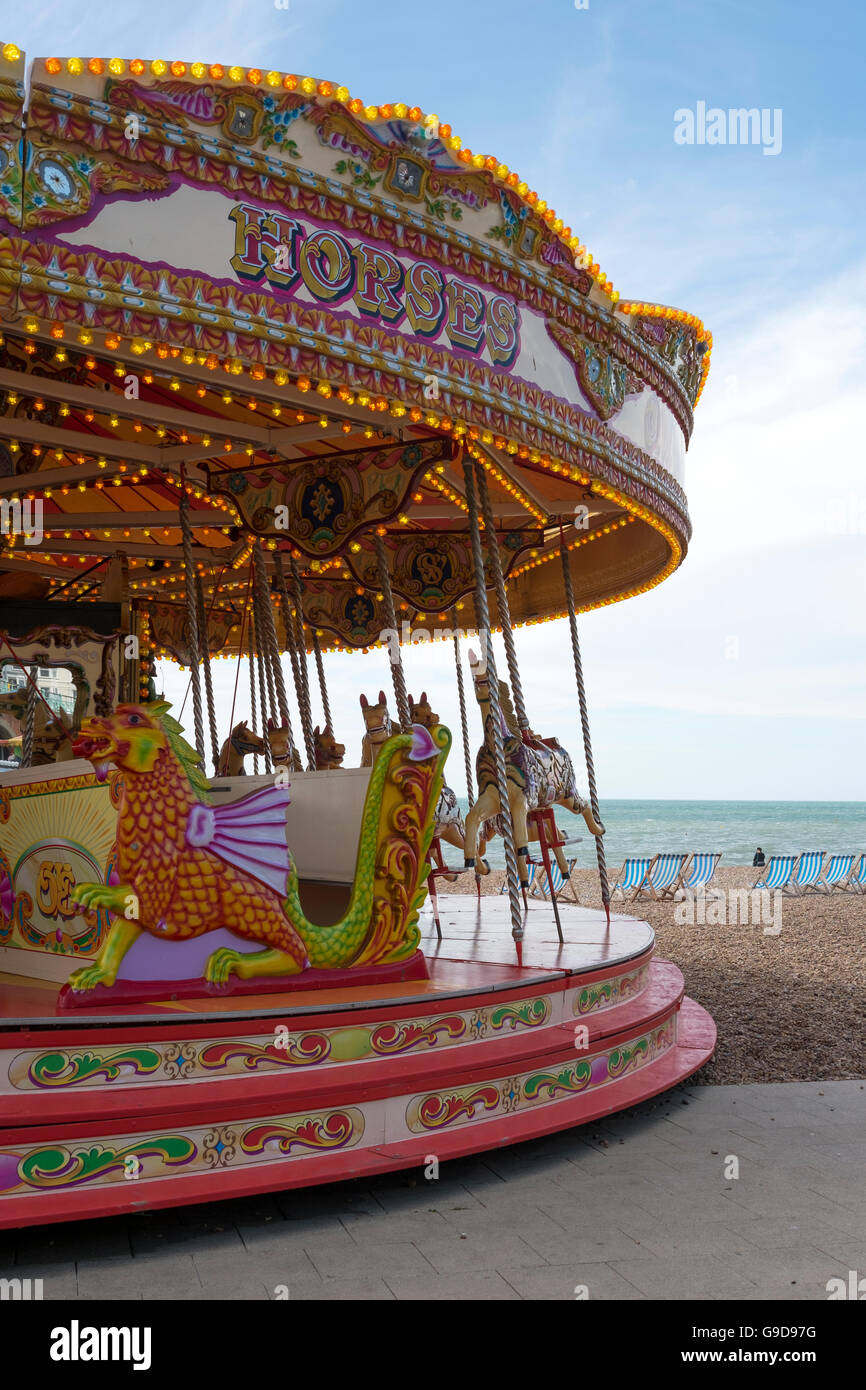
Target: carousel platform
pixel 177 1101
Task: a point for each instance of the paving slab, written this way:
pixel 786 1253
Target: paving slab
pixel 635 1206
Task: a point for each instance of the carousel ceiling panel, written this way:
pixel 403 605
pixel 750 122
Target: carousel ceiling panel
pixel 169 629
pixel 325 502
pixel 433 572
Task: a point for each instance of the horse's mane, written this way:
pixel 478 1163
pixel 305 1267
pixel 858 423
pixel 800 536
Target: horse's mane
pixel 184 753
pixel 508 709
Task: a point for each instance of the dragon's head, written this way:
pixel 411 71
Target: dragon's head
pixel 133 738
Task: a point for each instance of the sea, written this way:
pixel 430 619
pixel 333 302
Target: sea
pixel 735 828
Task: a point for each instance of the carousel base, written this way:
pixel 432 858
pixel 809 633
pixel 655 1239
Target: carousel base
pixel 168 1102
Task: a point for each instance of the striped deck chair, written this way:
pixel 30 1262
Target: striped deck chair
pixel 561 883
pixel 664 877
pixel 809 867
pixel 533 874
pixel 631 876
pixel 857 881
pixel 836 874
pixel 699 873
pixel 776 872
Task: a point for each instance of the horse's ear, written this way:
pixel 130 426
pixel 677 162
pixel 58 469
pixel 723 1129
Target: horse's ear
pixel 382 698
pixel 271 724
pixel 364 702
pixel 412 699
pixel 423 697
pixel 316 732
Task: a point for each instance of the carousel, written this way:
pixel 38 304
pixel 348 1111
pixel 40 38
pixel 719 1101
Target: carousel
pixel 283 375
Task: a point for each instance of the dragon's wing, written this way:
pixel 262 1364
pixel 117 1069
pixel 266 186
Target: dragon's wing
pixel 250 833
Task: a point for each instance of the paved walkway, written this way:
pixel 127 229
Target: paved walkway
pixel 638 1206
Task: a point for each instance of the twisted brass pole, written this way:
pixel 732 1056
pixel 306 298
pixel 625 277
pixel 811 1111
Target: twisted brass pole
pixel 253 716
pixel 584 721
pixel 192 623
pixel 304 692
pixel 269 635
pixel 320 667
pixel 208 680
pixel 397 673
pixel 260 662
pixel 467 757
pixel 482 614
pixel 288 626
pixel 501 598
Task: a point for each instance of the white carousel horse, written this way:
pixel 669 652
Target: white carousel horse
pixel 240 743
pixel 448 822
pixel 539 774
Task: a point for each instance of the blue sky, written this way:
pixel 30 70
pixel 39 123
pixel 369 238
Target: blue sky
pixel 743 676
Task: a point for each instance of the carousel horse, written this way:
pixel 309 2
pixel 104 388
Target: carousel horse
pixel 539 774
pixel 378 726
pixel 240 743
pixel 329 753
pixel 283 751
pixel 448 822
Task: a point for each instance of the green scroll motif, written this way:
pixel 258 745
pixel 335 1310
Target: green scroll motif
pixel 531 1013
pixel 52 1069
pixel 54 1167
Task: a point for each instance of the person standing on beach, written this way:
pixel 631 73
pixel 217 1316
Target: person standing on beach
pixel 758 861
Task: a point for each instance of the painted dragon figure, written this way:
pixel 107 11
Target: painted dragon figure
pixel 185 868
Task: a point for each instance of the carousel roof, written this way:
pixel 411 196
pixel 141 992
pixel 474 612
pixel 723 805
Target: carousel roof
pixel 318 389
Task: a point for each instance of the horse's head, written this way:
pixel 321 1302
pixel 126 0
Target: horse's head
pixel 245 740
pixel 422 713
pixel 376 718
pixel 329 753
pixel 280 742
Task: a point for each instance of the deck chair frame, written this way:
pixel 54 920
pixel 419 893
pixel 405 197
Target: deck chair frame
pixel 839 883
pixel 794 887
pixel 539 886
pixel 668 891
pixel 764 873
pixel 630 891
pixel 705 882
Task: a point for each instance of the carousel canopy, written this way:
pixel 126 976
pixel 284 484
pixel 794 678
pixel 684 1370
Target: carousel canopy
pixel 250 293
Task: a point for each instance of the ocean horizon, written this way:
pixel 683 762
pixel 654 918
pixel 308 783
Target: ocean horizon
pixel 733 828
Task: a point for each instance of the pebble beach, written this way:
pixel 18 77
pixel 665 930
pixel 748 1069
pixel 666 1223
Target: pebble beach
pixel 789 1006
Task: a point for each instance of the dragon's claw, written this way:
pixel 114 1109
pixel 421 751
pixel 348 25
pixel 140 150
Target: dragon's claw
pixel 88 977
pixel 222 964
pixel 112 896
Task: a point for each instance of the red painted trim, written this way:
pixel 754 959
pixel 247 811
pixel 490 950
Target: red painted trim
pixel 350 1084
pixel 313 1087
pixel 53 1031
pixel 156 991
pixel 696 1042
